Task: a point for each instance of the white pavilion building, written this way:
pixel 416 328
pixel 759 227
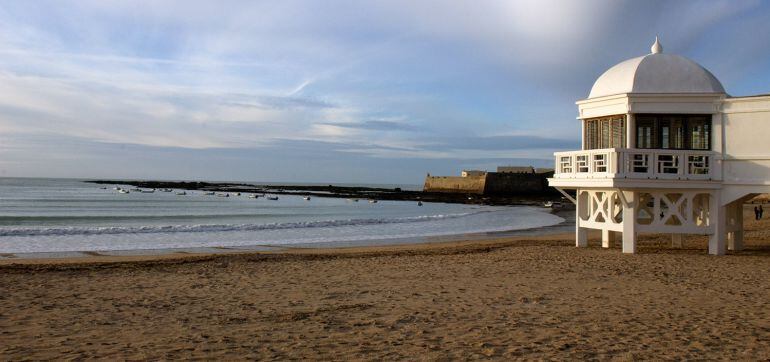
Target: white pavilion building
pixel 666 150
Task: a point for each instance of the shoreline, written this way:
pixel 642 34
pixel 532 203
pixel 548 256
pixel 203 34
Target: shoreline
pixel 164 254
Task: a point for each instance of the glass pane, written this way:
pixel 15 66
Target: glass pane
pixel 591 136
pixel 645 133
pixel 671 133
pixel 618 133
pixel 605 140
pixel 700 133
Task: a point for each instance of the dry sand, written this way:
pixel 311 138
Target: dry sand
pixel 515 298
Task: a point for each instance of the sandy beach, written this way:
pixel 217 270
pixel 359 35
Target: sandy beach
pixel 509 298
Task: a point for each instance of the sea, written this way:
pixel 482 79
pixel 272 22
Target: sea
pixel 39 215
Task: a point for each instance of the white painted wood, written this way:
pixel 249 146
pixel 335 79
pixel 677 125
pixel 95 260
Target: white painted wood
pixel 608 238
pixel 581 237
pixel 676 240
pixel 735 225
pixel 629 222
pixel 717 219
pixel 626 163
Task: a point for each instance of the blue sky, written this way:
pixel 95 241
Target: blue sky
pixel 331 91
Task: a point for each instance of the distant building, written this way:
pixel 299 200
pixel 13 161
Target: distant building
pixel 515 169
pixel 467 173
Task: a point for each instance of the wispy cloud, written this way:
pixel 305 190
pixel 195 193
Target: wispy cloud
pixel 379 82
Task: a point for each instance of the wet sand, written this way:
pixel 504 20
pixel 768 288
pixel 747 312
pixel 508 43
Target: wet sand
pixel 509 298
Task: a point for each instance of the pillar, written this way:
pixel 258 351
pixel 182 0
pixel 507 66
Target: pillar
pixel 676 240
pixel 735 241
pixel 581 235
pixel 608 238
pixel 630 131
pixel 629 221
pixel 718 221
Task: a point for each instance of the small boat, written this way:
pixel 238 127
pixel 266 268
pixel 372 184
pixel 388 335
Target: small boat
pixel 372 201
pixel 548 204
pixel 181 193
pixel 307 198
pixel 123 191
pixel 274 198
pixel 117 188
pixel 419 203
pixel 136 189
pixel 237 194
pixel 103 188
pixel 253 196
pixel 557 205
pixel 167 190
pixel 210 193
pixel 147 191
pixel 223 195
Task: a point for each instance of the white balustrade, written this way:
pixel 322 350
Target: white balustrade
pixel 636 164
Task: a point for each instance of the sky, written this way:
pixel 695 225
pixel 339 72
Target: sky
pixel 331 91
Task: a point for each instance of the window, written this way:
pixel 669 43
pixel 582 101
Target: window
pixel 691 132
pixel 607 132
pixel 699 129
pixel 672 133
pixel 645 133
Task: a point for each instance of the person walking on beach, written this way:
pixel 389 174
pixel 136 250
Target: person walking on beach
pixel 756 213
pixel 761 211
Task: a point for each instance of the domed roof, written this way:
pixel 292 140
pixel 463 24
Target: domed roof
pixel 656 73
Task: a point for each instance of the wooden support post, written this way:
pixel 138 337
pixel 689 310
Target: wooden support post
pixel 735 242
pixel 718 221
pixel 676 240
pixel 629 221
pixel 608 238
pixel 581 236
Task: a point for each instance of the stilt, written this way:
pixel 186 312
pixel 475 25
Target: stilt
pixel 608 238
pixel 629 222
pixel 581 234
pixel 735 241
pixel 676 240
pixel 717 219
pixel 581 237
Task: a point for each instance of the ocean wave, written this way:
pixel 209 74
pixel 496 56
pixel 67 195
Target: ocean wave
pixel 150 229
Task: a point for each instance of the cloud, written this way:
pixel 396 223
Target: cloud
pixel 502 143
pixel 376 125
pixel 370 82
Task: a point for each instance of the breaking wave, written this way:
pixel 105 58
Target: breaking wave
pixel 150 229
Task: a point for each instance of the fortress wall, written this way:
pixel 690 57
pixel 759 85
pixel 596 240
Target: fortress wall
pixel 456 184
pixel 493 183
pixel 514 183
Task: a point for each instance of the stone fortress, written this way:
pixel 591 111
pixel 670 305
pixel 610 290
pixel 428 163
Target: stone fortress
pixel 508 180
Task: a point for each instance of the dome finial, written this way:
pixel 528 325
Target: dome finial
pixel 656 47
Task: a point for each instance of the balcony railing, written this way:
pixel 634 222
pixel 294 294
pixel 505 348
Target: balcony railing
pixel 636 163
